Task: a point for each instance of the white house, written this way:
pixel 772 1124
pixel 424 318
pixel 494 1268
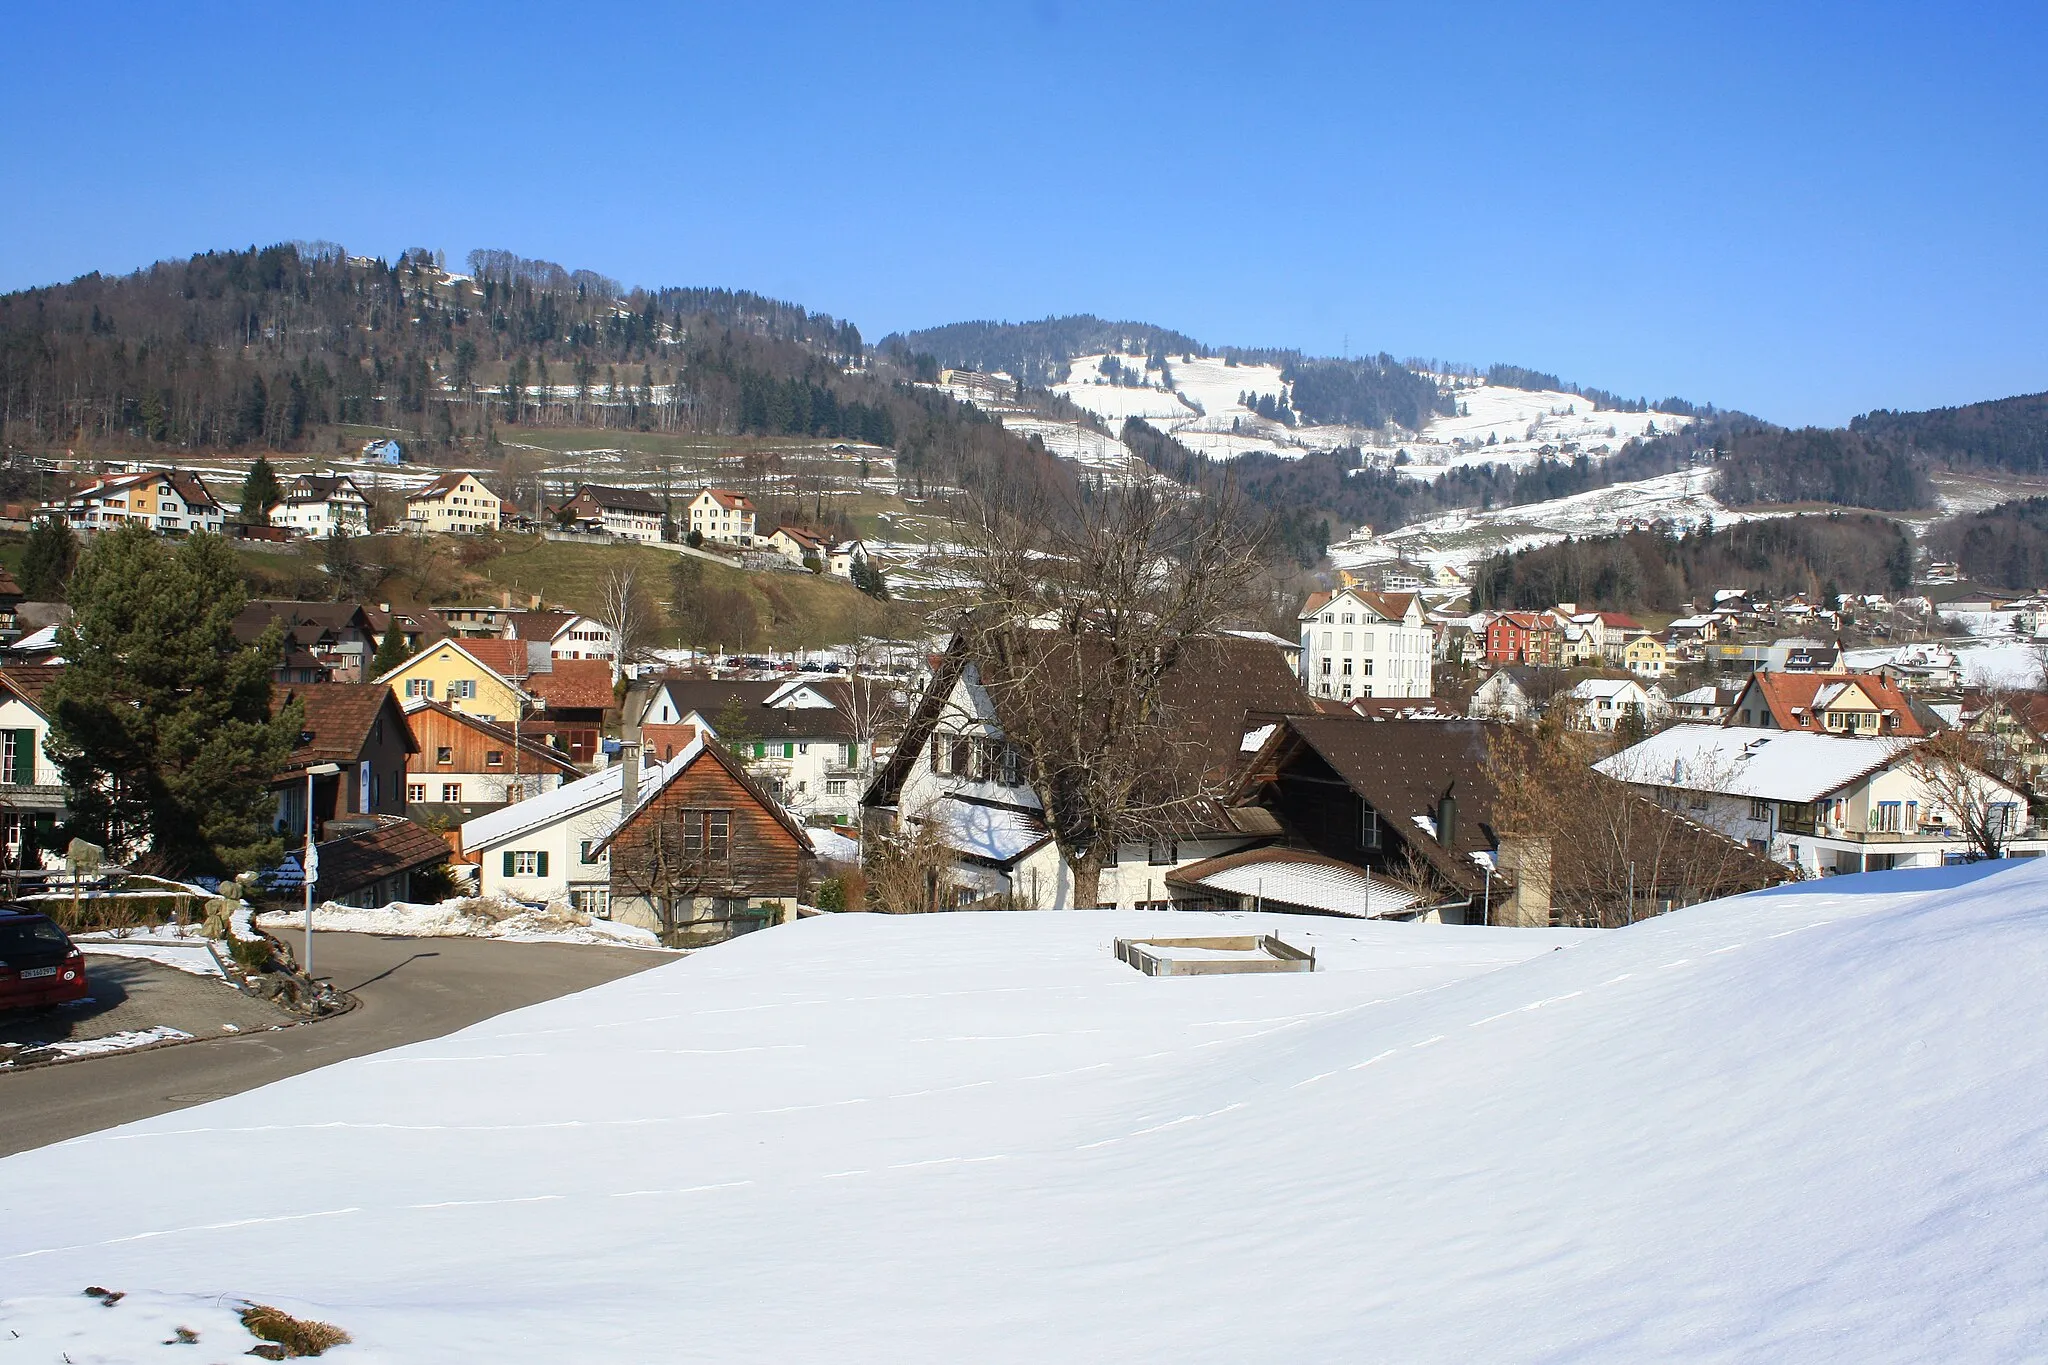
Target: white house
pixel 719 514
pixel 627 513
pixel 797 736
pixel 316 505
pixel 167 501
pixel 33 798
pixel 1503 696
pixel 1599 704
pixel 1818 802
pixel 954 769
pixel 549 849
pixel 569 635
pixel 1356 643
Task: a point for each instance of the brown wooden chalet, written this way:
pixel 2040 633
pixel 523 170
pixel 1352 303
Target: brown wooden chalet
pixel 705 853
pixel 463 766
pixel 359 726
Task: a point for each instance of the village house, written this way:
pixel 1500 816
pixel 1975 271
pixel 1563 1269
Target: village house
pixel 1521 637
pixel 463 766
pixel 361 728
pixel 953 769
pixel 702 853
pixel 457 672
pixel 718 514
pixel 572 697
pixel 318 505
pixel 323 641
pixel 1507 694
pixel 1356 643
pixel 1842 704
pixel 453 502
pixel 549 850
pixel 626 513
pixel 798 737
pixel 34 801
pixel 168 502
pixel 1708 704
pixel 1601 705
pixel 417 628
pixel 1819 802
pixel 569 635
pixel 374 860
pixel 1646 656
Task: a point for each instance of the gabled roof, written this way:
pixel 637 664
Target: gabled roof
pixel 572 799
pixel 727 498
pixel 319 487
pixel 1392 606
pixel 325 618
pixel 539 625
pixel 1615 620
pixel 764 720
pixel 358 860
pixel 608 498
pixel 478 652
pixel 444 484
pixel 573 685
pixel 703 748
pixel 526 741
pixel 339 719
pixel 1297 878
pixel 29 684
pixel 1792 697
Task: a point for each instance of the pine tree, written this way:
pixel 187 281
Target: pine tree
pixel 392 650
pixel 161 722
pixel 260 493
pixel 47 560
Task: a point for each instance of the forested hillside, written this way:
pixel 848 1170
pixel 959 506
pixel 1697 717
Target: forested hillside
pixel 261 349
pixel 1036 352
pixel 1653 571
pixel 1368 393
pixel 2007 433
pixel 1761 463
pixel 2005 546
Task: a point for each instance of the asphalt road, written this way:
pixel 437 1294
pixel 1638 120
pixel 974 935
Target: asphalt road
pixel 410 988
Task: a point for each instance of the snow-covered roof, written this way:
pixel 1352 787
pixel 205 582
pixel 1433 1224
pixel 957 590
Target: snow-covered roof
pixel 1777 765
pixel 572 798
pixel 1316 885
pixel 1255 740
pixel 990 832
pixel 1704 695
pixel 1592 689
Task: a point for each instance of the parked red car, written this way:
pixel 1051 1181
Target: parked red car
pixel 39 966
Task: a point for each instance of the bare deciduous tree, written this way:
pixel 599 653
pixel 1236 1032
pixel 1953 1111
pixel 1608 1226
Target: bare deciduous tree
pixel 628 614
pixel 1957 770
pixel 1085 612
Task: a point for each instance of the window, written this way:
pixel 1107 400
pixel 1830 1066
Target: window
pixel 461 689
pixel 1013 766
pixel 1326 668
pixel 942 752
pixel 1887 819
pixel 444 754
pixel 1347 668
pixel 17 757
pixel 1162 852
pixel 1347 639
pixel 963 747
pixel 1760 810
pixel 1368 668
pixel 526 863
pixel 1347 692
pixel 494 758
pixel 1350 618
pixel 419 687
pixel 451 791
pixel 586 852
pixel 707 834
pixel 1368 827
pixel 835 786
pixel 593 901
pixel 415 791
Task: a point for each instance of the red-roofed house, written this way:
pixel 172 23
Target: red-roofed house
pixel 1521 637
pixel 721 515
pixel 1836 704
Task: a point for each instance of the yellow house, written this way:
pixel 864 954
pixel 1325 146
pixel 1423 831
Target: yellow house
pixel 453 502
pixel 466 676
pixel 1646 657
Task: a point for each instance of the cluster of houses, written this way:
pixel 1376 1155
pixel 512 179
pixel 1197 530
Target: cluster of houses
pixel 174 502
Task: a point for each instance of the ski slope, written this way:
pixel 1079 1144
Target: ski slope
pixel 1802 1125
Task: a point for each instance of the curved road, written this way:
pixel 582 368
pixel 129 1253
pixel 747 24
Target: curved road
pixel 410 988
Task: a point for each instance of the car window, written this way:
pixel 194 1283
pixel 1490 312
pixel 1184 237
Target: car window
pixel 31 935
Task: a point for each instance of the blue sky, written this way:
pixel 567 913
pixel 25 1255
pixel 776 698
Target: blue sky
pixel 1803 211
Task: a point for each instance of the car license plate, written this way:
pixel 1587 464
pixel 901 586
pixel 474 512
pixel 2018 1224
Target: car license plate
pixel 31 973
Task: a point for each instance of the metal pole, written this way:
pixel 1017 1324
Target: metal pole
pixel 1631 919
pixel 305 874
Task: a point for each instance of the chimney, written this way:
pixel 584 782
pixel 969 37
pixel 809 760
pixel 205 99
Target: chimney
pixel 629 778
pixel 1447 818
pixel 1525 859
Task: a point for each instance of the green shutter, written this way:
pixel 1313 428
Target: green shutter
pixel 25 758
pixel 789 750
pixel 760 749
pixel 540 867
pixel 508 862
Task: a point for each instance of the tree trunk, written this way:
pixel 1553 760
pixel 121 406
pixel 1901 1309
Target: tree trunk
pixel 1086 871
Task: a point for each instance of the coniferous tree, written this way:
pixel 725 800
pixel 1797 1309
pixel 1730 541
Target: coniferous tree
pixel 47 560
pixel 391 650
pixel 161 722
pixel 260 493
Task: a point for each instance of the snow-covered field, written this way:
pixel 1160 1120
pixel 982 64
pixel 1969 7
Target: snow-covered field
pixel 1459 540
pixel 466 918
pixel 1802 1125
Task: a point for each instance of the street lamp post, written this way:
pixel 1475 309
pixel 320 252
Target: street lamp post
pixel 309 867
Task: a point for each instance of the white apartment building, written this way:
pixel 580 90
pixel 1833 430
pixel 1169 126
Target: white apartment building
pixel 1356 643
pixel 453 502
pixel 721 515
pixel 315 505
pixel 169 502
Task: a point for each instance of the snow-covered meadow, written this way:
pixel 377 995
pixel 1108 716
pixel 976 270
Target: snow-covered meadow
pixel 1800 1125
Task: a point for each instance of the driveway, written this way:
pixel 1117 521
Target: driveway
pixel 132 995
pixel 410 988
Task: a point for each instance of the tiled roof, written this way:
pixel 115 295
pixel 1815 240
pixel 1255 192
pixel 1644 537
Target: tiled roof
pixel 573 684
pixel 528 741
pixel 1786 693
pixel 443 485
pixel 622 499
pixel 538 625
pixel 711 698
pixel 32 682
pixel 728 498
pixel 339 718
pixel 397 845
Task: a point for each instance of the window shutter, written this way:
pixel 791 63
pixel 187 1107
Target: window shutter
pixel 25 758
pixel 508 862
pixel 540 867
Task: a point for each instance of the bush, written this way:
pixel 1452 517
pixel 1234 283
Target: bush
pixel 296 1336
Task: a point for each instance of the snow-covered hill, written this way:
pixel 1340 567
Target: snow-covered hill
pixel 1801 1125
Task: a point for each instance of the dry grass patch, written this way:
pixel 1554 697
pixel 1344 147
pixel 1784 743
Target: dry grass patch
pixel 288 1337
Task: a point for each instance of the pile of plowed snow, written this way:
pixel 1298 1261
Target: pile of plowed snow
pixel 1802 1125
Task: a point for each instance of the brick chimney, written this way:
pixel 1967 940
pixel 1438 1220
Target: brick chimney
pixel 629 779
